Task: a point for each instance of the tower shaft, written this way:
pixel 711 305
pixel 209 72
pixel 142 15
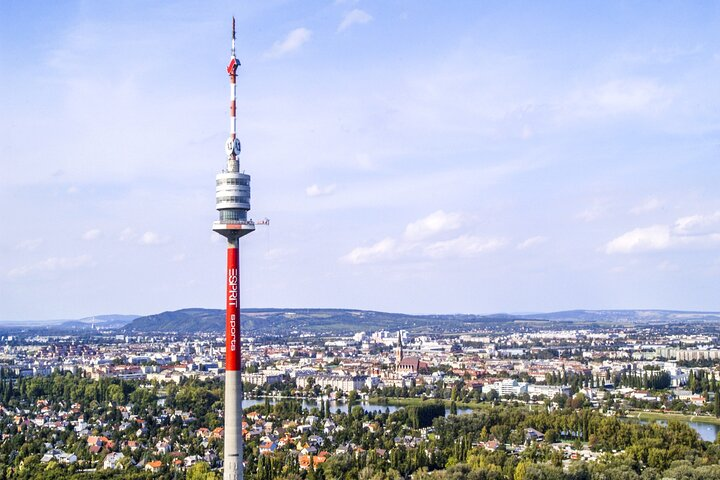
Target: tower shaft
pixel 233 450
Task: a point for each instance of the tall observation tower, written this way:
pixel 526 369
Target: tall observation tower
pixel 233 202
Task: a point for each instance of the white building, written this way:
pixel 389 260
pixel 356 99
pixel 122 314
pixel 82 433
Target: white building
pixel 263 378
pixel 112 460
pixel 508 387
pixel 548 391
pixel 344 383
pixel 59 456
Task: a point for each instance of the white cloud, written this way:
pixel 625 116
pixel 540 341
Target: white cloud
pixel 462 246
pixel 52 264
pixel 152 238
pixel 147 238
pixel 433 224
pixel 530 242
pixel 656 237
pixel 92 234
pixel 318 191
pixel 180 257
pixel 381 250
pixel 416 242
pixel 293 41
pixel 694 231
pixel 697 224
pixel 648 205
pixel 356 16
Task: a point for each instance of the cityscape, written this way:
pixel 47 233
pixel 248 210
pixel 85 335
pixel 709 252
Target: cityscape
pixel 501 265
pixel 107 395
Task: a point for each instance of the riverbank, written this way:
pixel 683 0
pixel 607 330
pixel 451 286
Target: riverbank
pixel 413 401
pixel 476 406
pixel 707 427
pixel 678 417
pixel 635 415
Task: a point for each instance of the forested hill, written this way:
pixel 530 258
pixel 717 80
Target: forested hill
pixel 282 321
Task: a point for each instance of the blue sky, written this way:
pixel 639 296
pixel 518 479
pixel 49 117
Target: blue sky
pixel 439 157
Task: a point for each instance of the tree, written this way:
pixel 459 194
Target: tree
pixel 116 395
pixel 422 415
pixel 352 398
pixel 521 470
pixel 201 471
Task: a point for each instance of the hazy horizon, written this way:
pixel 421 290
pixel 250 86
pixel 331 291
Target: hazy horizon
pixel 54 321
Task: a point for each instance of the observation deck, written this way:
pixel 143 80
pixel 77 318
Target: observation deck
pixel 232 200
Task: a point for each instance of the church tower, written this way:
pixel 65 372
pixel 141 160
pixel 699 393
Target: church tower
pixel 399 350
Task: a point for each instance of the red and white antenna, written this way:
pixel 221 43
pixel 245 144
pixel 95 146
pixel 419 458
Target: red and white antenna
pixel 232 146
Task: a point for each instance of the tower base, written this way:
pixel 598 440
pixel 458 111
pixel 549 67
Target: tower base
pixel 233 454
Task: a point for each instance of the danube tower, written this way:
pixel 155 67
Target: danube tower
pixel 233 202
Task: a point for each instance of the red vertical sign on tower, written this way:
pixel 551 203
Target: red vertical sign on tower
pixel 232 317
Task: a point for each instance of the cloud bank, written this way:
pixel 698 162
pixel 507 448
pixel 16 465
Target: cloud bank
pixel 695 231
pixel 419 242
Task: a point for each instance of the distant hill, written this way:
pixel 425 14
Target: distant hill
pixel 103 321
pixel 189 320
pixel 282 321
pixel 272 321
pixel 627 316
pixel 100 321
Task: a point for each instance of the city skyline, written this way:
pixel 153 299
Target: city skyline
pixel 417 158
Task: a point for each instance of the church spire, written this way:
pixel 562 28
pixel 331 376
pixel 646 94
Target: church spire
pixel 399 349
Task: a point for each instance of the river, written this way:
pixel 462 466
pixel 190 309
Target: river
pixel 707 431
